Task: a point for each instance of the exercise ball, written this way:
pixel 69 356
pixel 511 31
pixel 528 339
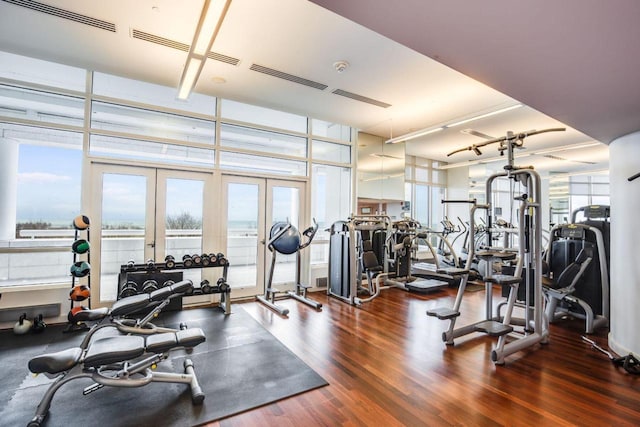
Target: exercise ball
pixel 79 293
pixel 80 246
pixel 289 242
pixel 81 222
pixel 74 312
pixel 80 269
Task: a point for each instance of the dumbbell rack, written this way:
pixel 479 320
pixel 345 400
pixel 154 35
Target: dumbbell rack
pixel 79 326
pixel 221 287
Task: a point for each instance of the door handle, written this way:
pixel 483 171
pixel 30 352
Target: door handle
pixel 152 244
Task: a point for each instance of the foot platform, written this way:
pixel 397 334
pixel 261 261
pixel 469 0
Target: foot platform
pixel 503 279
pixel 443 313
pixel 452 271
pixel 492 328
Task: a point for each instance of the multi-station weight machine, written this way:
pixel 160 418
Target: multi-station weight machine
pixel 528 269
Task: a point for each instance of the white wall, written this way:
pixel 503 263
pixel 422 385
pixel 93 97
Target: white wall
pixel 625 235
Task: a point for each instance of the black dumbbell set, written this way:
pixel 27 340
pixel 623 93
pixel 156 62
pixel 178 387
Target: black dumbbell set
pixel 188 261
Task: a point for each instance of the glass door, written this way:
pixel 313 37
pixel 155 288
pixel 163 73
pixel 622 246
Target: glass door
pixel 143 214
pixel 253 206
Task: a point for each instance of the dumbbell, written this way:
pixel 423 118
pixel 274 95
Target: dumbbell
pixel 151 264
pixel 149 286
pixel 129 289
pixel 205 287
pixel 168 283
pixel 187 261
pixel 131 264
pixel 221 259
pixel 197 259
pixel 223 286
pixel 169 262
pixel 206 260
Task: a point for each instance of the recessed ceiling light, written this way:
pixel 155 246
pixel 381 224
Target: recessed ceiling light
pixel 218 80
pixel 155 8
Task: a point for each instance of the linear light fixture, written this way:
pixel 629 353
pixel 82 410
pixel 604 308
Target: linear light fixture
pixel 213 13
pixel 413 135
pixel 430 130
pixel 482 116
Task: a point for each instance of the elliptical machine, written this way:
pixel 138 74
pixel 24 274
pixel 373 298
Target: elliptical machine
pixel 285 238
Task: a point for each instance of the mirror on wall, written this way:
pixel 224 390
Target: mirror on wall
pixel 381 172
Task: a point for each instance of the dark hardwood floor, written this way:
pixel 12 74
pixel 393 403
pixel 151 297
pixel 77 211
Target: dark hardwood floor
pixel 387 366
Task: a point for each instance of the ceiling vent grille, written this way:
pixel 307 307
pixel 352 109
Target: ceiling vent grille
pixel 65 14
pixel 152 38
pixel 223 58
pixel 286 76
pixel 361 98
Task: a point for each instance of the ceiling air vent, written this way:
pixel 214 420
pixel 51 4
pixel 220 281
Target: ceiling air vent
pixel 286 76
pixel 223 58
pixel 361 98
pixel 65 14
pixel 152 38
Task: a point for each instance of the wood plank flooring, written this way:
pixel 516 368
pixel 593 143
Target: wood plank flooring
pixel 387 366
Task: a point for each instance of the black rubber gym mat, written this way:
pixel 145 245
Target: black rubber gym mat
pixel 240 366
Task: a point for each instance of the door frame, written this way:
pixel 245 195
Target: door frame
pixel 265 209
pixel 155 207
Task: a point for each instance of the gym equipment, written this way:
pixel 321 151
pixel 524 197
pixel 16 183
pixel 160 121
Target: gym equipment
pixel 589 297
pixel 187 261
pixel 205 286
pixel 221 260
pixel 129 289
pixel 81 222
pixel 357 250
pixel 80 269
pixel 402 244
pixel 151 264
pixel 38 324
pixel 206 260
pixel 168 283
pixel 197 259
pixel 79 293
pixel 284 238
pixel 131 264
pixel 170 262
pixel 149 286
pixel 629 362
pixel 80 246
pixel 23 325
pixel 118 361
pixel 528 267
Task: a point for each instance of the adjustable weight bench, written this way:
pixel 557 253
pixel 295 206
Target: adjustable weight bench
pixel 121 309
pixel 118 361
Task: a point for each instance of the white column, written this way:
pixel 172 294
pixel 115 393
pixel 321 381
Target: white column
pixel 8 187
pixel 624 153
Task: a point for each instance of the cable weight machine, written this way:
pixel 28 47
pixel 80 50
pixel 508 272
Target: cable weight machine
pixel 529 260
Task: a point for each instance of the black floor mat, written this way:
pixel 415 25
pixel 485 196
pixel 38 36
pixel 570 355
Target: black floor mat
pixel 240 366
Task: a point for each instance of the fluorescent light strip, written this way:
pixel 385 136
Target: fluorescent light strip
pixel 431 130
pixel 189 76
pixel 213 13
pixel 413 135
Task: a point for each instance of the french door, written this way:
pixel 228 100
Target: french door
pixel 251 207
pixel 143 214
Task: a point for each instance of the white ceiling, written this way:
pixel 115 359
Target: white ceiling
pixel 496 42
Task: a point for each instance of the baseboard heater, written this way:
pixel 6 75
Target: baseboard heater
pixel 13 314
